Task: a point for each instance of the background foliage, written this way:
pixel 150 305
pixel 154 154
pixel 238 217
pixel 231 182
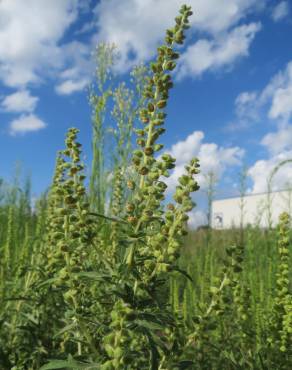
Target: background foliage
pixel 106 276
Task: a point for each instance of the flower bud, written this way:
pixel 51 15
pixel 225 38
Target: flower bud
pixel 184 180
pixel 154 175
pixel 161 104
pixel 138 153
pixel 151 107
pixel 132 219
pixel 136 161
pixel 148 150
pixel 130 207
pixel 144 119
pixel 168 40
pixel 170 66
pixel 171 207
pixel 158 122
pixel 140 132
pixel 141 142
pixel 131 185
pixel 158 147
pixel 143 171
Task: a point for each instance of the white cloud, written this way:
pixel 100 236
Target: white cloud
pixel 231 11
pixel 279 146
pixel 37 28
pixel 80 66
pixel 197 218
pixel 279 141
pixel 275 101
pixel 136 26
pixel 245 104
pixel 20 101
pixel 69 86
pixel 183 151
pixel 30 34
pixel 261 170
pixel 213 158
pixel 26 123
pixel 224 51
pixel 282 103
pixel 280 11
pixel 79 69
pixel 246 111
pixel 279 92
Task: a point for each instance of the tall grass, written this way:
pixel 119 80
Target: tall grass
pixel 110 278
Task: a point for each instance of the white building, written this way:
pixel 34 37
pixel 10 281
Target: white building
pixel 253 209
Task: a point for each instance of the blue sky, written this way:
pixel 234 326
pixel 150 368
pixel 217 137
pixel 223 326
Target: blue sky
pixel 232 101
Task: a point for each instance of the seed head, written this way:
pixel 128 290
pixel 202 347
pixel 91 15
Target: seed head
pixel 130 207
pixel 143 171
pixel 171 207
pixel 131 185
pixel 161 104
pixel 132 220
pixel 148 150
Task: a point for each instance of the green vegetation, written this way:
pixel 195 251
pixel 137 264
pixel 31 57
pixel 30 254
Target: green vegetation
pixel 108 277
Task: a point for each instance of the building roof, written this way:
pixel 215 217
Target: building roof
pixel 253 194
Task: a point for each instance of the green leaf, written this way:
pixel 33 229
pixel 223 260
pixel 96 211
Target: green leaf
pixel 149 325
pixel 230 356
pixel 69 364
pixel 30 318
pixel 93 275
pixel 47 282
pixel 184 273
pixel 185 364
pixel 66 328
pixel 107 217
pixel 154 358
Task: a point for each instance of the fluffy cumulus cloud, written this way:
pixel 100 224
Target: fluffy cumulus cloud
pixel 37 28
pixel 279 92
pixel 282 103
pixel 217 53
pixel 278 95
pixel 32 49
pixel 279 147
pixel 30 32
pixel 137 25
pixel 77 76
pixel 79 68
pixel 245 105
pixel 69 86
pixel 26 123
pixel 260 171
pixel 20 101
pixel 197 218
pixel 280 11
pixel 246 111
pixel 280 141
pixel 213 158
pixel 274 102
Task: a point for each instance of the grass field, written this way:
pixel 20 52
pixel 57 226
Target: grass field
pixel 103 273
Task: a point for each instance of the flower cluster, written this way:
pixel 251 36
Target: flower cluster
pixel 282 321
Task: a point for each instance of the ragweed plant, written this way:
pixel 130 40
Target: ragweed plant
pixel 139 265
pixel 281 323
pixel 101 278
pixel 105 58
pixel 72 238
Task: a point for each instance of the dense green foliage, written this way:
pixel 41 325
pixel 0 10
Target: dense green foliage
pixel 109 278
